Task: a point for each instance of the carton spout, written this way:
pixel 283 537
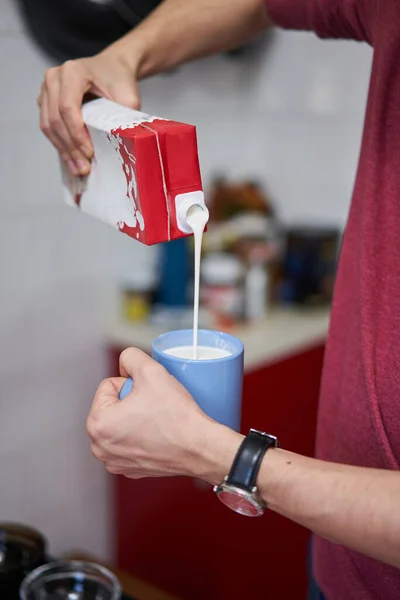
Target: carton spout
pixel 184 202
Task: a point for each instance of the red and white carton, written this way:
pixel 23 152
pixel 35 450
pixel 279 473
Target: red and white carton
pixel 144 176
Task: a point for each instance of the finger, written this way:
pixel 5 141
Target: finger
pixel 45 124
pixel 70 152
pixel 74 84
pixel 107 394
pixel 51 135
pixel 135 363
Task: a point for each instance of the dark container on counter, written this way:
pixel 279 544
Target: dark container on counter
pixel 309 265
pixel 22 549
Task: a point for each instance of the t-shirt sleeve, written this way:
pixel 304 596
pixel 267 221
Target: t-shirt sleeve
pixel 352 19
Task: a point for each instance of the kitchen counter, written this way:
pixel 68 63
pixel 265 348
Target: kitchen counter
pixel 284 332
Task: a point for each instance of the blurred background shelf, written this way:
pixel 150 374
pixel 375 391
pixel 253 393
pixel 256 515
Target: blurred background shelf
pixel 285 331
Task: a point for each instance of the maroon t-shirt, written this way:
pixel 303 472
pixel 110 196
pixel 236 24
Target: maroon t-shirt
pixel 359 419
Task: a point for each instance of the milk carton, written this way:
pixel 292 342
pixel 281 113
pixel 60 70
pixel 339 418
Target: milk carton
pixel 144 176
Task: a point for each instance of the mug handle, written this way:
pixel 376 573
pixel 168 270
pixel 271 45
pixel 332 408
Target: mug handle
pixel 126 388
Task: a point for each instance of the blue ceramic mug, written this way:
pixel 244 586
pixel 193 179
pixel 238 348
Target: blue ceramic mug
pixel 215 384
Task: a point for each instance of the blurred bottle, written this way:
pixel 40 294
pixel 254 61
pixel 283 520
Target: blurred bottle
pixel 174 274
pixel 222 288
pixel 137 294
pixel 256 291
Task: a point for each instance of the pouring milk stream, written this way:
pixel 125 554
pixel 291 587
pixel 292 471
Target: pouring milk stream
pixel 197 218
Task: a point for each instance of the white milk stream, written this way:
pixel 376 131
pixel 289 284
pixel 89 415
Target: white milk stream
pixel 197 219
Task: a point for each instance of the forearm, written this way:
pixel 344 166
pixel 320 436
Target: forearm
pixel 352 506
pixel 181 30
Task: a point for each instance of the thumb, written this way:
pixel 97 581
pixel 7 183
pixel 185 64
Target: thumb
pixel 127 94
pixel 134 363
pixel 107 393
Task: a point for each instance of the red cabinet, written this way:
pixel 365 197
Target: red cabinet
pixel 174 532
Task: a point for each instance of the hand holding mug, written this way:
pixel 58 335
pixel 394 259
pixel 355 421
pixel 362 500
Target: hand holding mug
pixel 158 429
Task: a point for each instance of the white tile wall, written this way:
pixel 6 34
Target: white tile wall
pixel 291 118
pixel 57 273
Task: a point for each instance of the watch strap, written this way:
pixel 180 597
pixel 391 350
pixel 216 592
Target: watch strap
pixel 245 467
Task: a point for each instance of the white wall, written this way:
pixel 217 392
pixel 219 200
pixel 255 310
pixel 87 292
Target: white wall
pixel 291 118
pixel 55 269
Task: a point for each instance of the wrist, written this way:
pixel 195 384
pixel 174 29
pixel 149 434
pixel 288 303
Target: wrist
pixel 216 451
pixel 128 52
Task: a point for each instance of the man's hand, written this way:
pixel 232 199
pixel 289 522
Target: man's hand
pixel 106 75
pixel 177 31
pixel 157 430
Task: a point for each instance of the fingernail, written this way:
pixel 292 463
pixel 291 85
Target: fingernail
pixel 83 166
pixel 87 151
pixel 72 167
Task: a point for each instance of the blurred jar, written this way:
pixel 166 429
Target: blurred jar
pixel 137 295
pixel 22 549
pixel 257 285
pixel 309 265
pixel 222 288
pixel 71 580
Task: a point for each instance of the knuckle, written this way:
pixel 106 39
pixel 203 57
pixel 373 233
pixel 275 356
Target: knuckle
pixel 50 74
pixel 75 154
pixel 45 127
pixel 72 149
pixel 69 65
pixel 112 469
pixel 90 427
pixel 104 385
pixel 66 156
pixel 54 122
pixel 65 107
pixel 77 136
pixel 94 426
pixel 96 451
pixel 75 69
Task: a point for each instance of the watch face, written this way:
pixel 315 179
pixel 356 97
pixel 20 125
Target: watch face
pixel 240 502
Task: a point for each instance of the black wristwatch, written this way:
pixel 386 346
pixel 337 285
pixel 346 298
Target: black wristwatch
pixel 238 490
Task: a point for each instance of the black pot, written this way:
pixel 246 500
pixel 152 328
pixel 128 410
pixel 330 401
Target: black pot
pixel 22 549
pixel 69 29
